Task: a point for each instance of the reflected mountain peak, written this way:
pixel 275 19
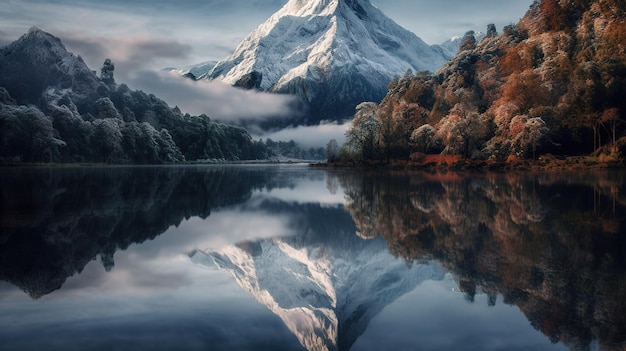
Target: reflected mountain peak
pixel 326 290
pixel 550 244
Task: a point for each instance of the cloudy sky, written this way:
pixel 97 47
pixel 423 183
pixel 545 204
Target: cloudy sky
pixel 144 36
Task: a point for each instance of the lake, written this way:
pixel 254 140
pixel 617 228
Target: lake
pixel 289 257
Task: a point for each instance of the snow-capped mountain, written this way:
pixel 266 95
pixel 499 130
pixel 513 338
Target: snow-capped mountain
pixel 325 293
pixel 332 53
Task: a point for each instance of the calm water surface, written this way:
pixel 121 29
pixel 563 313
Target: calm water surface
pixel 295 258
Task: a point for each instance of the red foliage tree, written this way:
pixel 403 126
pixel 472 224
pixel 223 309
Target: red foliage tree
pixel 555 15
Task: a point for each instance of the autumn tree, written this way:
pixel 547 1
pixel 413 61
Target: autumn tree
pixel 525 90
pixel 424 139
pixel 610 118
pixel 527 134
pixel 463 131
pixel 554 14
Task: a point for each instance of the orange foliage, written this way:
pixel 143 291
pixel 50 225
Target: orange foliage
pixel 441 159
pixel 517 59
pixel 555 15
pixel 614 40
pixel 525 90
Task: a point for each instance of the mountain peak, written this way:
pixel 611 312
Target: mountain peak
pixel 36 37
pixel 38 54
pixel 333 54
pixel 302 7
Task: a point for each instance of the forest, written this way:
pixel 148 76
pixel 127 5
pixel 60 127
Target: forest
pixel 54 109
pixel 552 84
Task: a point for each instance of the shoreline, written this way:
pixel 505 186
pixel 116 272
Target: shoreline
pixel 438 163
pixel 545 163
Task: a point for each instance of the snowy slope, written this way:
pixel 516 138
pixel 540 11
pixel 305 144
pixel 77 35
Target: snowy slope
pixel 326 293
pixel 329 52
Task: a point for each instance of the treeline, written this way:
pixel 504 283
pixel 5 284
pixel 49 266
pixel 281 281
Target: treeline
pixel 59 133
pixel 289 149
pixel 553 83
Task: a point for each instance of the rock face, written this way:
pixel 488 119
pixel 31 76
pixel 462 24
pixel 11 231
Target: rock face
pixel 325 291
pixel 333 54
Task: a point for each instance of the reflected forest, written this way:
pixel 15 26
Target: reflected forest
pixel 551 245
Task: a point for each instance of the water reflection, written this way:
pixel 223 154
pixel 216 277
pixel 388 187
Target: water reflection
pixel 551 245
pixel 326 288
pixel 55 221
pixel 337 257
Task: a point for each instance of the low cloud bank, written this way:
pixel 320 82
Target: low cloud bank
pixel 311 136
pixel 217 100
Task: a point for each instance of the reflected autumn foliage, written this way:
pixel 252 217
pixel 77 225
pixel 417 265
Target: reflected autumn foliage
pixel 553 245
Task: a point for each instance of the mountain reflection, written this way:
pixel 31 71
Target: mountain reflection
pixel 55 221
pixel 325 283
pixel 552 245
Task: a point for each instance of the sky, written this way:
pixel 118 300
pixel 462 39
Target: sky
pixel 144 36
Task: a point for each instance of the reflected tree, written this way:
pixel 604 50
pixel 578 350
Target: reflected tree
pixel 540 241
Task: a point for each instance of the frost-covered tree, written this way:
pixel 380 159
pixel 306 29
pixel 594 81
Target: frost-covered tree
pixel 104 108
pixel 168 151
pixel 526 135
pixel 424 139
pixel 463 131
pixel 364 133
pixel 106 72
pixel 332 150
pixel 26 134
pixel 107 139
pixel 537 131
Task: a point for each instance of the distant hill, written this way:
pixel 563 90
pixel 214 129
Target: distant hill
pixel 53 108
pixel 553 83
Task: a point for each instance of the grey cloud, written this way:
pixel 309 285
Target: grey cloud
pixel 5 38
pixel 92 51
pixel 146 51
pixel 129 54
